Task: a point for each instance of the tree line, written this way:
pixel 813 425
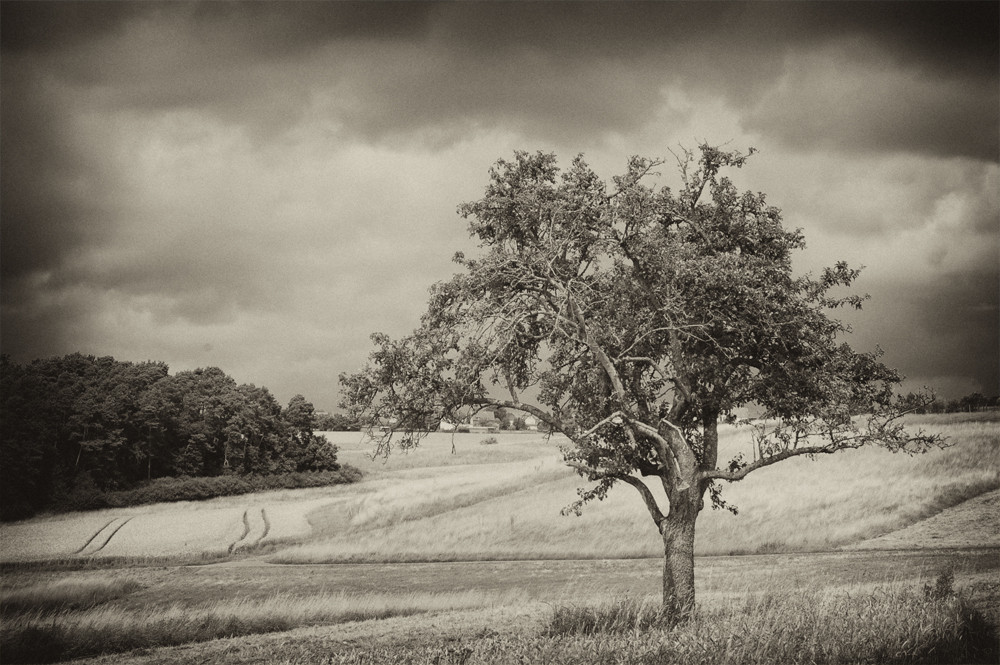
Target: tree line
pixel 970 403
pixel 85 423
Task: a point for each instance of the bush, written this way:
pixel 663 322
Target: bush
pixel 491 441
pixel 184 488
pixel 943 586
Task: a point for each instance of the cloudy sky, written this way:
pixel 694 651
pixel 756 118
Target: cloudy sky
pixel 259 186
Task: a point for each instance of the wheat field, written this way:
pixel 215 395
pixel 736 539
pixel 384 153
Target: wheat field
pixel 798 505
pixel 504 501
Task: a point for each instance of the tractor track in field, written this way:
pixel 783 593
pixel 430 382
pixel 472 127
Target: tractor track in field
pixel 246 531
pixel 244 542
pixel 103 536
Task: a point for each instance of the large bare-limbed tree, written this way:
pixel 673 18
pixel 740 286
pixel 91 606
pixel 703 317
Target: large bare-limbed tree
pixel 637 319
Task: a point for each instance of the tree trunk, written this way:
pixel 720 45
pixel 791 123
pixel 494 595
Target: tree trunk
pixel 678 558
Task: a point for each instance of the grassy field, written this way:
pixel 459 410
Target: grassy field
pixel 772 608
pixel 465 557
pixel 467 510
pixel 503 501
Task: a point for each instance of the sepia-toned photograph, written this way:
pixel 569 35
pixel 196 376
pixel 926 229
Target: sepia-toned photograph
pixel 499 332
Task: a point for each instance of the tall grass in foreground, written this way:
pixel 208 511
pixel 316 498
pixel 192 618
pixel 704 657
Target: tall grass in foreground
pixel 42 637
pixel 64 595
pixel 890 625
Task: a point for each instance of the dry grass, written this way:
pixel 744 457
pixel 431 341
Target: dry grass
pixel 36 636
pixel 474 512
pixel 61 595
pixel 435 450
pixel 887 625
pixel 503 502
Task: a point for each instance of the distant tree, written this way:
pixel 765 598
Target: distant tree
pixel 300 413
pixel 27 448
pixel 337 422
pixel 915 403
pixel 258 437
pixel 642 318
pixel 310 451
pixel 974 402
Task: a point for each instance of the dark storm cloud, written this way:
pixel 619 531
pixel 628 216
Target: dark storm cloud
pixel 118 192
pixel 576 69
pixel 53 197
pixel 948 329
pixel 46 26
pixel 273 27
pixel 946 105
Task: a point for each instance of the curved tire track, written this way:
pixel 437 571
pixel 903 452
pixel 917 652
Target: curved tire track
pixel 110 529
pixel 246 531
pixel 267 528
pixel 95 535
pixel 262 528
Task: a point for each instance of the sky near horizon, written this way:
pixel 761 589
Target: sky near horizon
pixel 260 186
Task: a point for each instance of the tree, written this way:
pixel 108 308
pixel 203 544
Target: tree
pixel 310 451
pixel 336 422
pixel 642 319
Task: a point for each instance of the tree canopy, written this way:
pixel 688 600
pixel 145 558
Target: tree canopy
pixel 634 319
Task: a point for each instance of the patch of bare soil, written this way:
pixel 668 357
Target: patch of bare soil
pixel 971 524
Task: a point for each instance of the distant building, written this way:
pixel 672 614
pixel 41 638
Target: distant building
pixel 484 423
pixel 531 423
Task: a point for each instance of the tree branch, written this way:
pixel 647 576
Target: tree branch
pixel 545 417
pixel 599 354
pixel 740 474
pixel 669 453
pixel 647 497
pixel 644 492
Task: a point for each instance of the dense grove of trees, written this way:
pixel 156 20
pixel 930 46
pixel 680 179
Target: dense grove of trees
pixel 80 423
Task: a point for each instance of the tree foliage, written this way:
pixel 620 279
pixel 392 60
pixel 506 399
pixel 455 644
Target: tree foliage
pixel 102 424
pixel 630 310
pixel 636 318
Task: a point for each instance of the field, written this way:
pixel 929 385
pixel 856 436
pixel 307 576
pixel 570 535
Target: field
pixel 465 557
